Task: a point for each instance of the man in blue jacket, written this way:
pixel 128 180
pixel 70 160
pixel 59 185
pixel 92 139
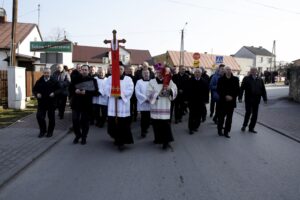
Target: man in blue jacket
pixel 213 90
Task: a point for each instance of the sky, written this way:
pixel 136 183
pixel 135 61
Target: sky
pixel 220 27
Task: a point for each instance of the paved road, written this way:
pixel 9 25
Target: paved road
pixel 281 114
pixel 201 166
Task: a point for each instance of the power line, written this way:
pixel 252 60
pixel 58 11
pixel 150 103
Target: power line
pixel 274 7
pixel 29 12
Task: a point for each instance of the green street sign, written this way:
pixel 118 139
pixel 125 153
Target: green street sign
pixel 51 46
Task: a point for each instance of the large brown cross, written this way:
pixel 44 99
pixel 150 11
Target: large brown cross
pixel 114 41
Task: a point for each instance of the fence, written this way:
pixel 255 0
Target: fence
pixel 31 78
pixel 3 88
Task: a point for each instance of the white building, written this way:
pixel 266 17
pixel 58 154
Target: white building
pixel 25 32
pixel 261 58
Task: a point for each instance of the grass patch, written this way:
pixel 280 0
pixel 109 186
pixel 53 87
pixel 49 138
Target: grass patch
pixel 9 116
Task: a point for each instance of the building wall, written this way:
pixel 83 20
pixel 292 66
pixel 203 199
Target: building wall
pixel 124 56
pixel 295 83
pixel 245 64
pixel 263 62
pixel 24 47
pixel 3 64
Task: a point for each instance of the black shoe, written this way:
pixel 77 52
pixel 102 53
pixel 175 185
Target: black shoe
pixel 49 134
pixel 211 114
pixel 83 141
pixel 204 119
pixel 243 128
pixel 155 142
pixel 195 130
pixel 180 120
pixel 176 121
pixel 220 133
pixel 165 146
pixel 252 131
pixel 143 134
pixel 191 132
pixel 41 135
pixel 215 120
pixel 121 147
pixel 76 140
pixel 226 135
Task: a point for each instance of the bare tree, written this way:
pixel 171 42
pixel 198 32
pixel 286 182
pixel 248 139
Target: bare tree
pixel 57 34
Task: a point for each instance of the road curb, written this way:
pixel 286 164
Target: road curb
pixel 281 132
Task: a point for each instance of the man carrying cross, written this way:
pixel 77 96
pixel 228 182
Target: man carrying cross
pixel 119 89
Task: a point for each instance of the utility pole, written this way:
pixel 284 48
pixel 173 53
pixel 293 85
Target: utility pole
pixel 273 63
pixel 13 34
pixel 181 58
pixel 39 11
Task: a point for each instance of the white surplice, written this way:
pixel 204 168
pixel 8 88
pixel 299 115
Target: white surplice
pixel 141 95
pixel 127 89
pixel 160 107
pixel 102 99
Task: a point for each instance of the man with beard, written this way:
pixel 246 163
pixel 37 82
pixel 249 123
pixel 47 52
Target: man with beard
pixel 197 95
pixel 82 92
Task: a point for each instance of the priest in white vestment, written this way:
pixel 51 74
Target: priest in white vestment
pixel 160 98
pixel 119 126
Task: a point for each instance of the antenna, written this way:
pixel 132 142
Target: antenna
pixel 3 4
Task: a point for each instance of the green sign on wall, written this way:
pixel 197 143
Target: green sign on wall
pixel 51 46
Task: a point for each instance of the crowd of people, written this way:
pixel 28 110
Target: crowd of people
pixel 156 93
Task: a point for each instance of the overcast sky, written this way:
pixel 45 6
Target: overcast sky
pixel 217 26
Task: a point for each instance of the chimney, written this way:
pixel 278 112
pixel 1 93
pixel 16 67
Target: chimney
pixel 3 17
pixel 205 52
pixel 260 47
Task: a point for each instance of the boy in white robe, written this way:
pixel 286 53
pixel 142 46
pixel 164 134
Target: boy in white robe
pixel 143 104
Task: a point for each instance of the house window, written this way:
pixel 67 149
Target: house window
pixel 270 60
pixel 261 59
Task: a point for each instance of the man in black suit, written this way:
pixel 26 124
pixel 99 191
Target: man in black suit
pixel 228 89
pixel 45 90
pixel 197 96
pixel 254 88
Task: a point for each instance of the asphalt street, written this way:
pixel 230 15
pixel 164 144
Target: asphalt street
pixel 200 166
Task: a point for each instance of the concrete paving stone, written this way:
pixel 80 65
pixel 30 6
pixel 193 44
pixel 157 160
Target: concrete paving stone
pixel 19 144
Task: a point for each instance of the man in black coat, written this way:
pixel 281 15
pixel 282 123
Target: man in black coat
pixel 181 80
pixel 228 89
pixel 45 90
pixel 82 91
pixel 254 88
pixel 197 96
pixel 64 81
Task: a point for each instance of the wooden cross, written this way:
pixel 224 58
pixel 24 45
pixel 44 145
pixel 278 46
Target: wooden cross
pixel 114 41
pixel 115 88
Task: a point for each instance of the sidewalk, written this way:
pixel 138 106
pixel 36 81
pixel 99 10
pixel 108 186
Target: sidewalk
pixel 20 146
pixel 281 115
